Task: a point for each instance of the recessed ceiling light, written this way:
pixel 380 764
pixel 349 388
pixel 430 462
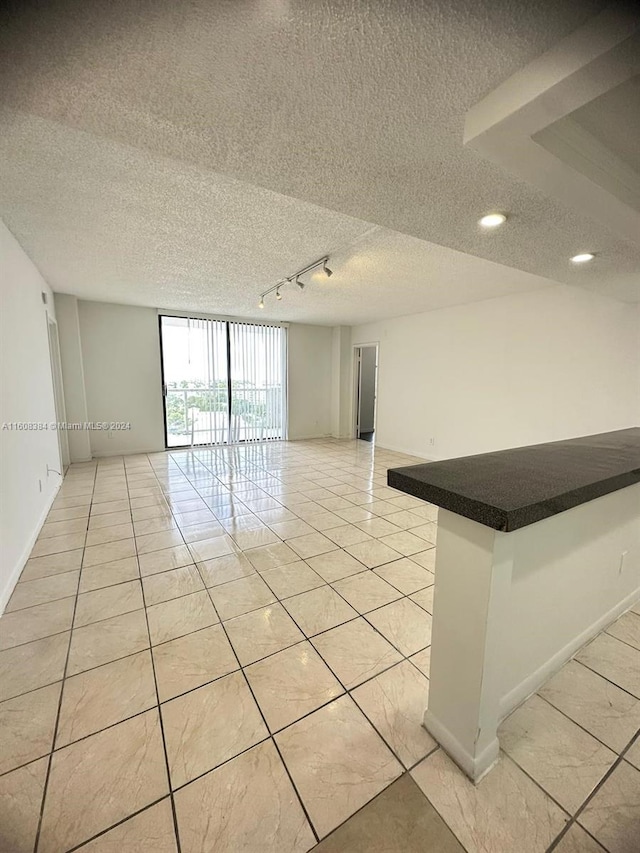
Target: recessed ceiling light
pixel 582 258
pixel 492 220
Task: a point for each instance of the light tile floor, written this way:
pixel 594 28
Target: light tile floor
pixel 228 650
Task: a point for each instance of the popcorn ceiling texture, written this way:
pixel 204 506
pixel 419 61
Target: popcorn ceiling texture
pixel 189 154
pixel 111 222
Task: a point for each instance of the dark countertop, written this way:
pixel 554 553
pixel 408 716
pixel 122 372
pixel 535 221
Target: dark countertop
pixel 509 489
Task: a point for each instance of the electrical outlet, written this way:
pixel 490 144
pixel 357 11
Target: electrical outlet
pixel 622 562
pixel 432 441
pixel 40 485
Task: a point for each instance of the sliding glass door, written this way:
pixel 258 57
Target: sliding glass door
pixel 257 361
pixel 223 382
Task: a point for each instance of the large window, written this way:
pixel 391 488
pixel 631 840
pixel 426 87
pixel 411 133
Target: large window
pixel 223 382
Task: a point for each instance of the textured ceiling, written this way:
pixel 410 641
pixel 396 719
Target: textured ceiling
pixel 133 119
pixel 114 223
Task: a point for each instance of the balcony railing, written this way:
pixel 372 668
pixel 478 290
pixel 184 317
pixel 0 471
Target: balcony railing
pixel 198 416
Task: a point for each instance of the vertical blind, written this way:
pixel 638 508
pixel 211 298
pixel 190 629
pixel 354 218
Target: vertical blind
pixel 257 382
pixel 224 382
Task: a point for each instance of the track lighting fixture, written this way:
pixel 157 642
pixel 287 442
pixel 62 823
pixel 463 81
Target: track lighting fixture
pixel 321 262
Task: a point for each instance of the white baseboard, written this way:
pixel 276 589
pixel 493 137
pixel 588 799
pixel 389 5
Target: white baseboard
pixel 407 451
pixel 103 454
pixel 309 437
pixel 533 682
pixel 475 767
pixel 5 594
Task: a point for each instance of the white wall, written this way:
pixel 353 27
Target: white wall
pixel 569 580
pixel 26 395
pixel 516 370
pixel 121 358
pixel 122 378
pixel 310 390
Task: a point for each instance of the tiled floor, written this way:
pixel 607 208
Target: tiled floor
pixel 228 650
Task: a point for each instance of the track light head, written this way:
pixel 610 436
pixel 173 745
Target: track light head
pixel 261 303
pixel 299 283
pixel 278 294
pixel 326 269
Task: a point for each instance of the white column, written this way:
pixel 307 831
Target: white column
pixel 473 579
pixel 341 383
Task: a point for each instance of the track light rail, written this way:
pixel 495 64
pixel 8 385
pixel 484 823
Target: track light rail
pixel 295 277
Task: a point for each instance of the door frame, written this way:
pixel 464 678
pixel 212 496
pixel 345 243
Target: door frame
pixel 227 321
pixel 357 355
pixel 58 392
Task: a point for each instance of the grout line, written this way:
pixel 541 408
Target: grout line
pixel 84 737
pixel 32 690
pixel 291 780
pixel 613 636
pixel 619 760
pixel 570 719
pixel 574 818
pixel 119 823
pixel 379 794
pixel 57 720
pixel 564 831
pixel 48 601
pixel 595 671
pixel 159 713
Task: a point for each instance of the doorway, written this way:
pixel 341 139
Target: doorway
pixel 58 394
pixel 366 372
